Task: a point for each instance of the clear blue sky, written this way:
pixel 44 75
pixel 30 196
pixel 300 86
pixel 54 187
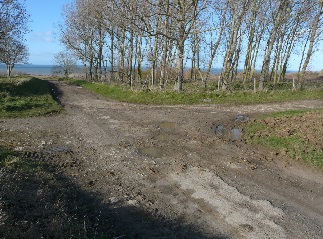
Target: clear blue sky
pixel 41 41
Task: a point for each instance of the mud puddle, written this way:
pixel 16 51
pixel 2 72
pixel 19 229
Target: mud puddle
pixel 231 131
pixel 168 125
pixel 153 152
pixel 226 133
pixel 165 137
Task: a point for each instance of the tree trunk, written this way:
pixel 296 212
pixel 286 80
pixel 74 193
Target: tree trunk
pixel 164 64
pixel 154 61
pixel 180 65
pixel 9 70
pixel 122 55
pixel 139 58
pixel 130 58
pixel 85 71
pixel 112 56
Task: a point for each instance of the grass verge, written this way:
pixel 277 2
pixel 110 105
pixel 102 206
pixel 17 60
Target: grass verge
pixel 26 97
pixel 296 134
pixel 170 97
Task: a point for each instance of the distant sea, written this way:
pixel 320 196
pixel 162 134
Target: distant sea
pixel 45 70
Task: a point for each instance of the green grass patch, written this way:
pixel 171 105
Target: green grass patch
pixel 191 95
pixel 26 97
pixel 281 133
pixel 15 161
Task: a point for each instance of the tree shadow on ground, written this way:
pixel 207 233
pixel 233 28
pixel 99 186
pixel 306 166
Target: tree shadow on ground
pixel 29 87
pixel 37 201
pixel 56 92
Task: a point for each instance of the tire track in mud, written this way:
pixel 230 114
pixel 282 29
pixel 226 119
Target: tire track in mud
pixel 104 124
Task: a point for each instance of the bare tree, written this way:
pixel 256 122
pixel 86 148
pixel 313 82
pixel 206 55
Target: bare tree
pixel 237 12
pixel 84 33
pixel 216 34
pixel 256 23
pixel 13 27
pixel 287 38
pixel 13 51
pixel 313 36
pixel 66 63
pixel 13 18
pixel 184 14
pixel 278 21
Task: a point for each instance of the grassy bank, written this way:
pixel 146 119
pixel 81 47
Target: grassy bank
pixel 192 96
pixel 296 134
pixel 25 97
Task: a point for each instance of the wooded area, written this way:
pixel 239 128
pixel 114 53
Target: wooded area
pixel 121 40
pixel 13 27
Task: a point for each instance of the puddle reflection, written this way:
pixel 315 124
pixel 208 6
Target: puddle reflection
pixel 151 152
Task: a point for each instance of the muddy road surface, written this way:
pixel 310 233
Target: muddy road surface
pixel 175 171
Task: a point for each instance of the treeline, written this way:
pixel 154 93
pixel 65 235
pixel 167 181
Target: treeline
pixel 168 36
pixel 13 27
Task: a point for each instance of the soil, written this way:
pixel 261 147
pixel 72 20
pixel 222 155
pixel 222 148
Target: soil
pixel 142 171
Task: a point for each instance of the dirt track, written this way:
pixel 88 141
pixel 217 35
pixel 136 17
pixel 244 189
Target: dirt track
pixel 163 172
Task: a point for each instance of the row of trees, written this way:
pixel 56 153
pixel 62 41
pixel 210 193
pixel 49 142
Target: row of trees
pixel 13 27
pixel 168 36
